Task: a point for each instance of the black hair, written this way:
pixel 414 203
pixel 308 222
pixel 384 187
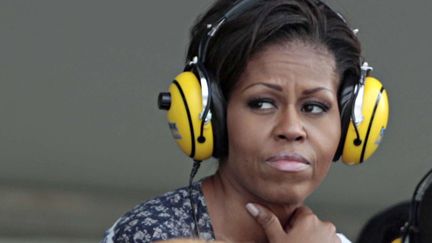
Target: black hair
pixel 266 23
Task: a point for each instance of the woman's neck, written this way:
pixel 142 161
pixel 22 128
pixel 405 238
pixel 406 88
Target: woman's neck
pixel 226 202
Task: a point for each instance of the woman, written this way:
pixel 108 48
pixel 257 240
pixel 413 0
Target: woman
pixel 279 70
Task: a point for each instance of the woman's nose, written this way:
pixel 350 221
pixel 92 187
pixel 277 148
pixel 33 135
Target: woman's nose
pixel 289 126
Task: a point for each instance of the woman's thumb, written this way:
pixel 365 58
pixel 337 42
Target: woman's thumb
pixel 268 221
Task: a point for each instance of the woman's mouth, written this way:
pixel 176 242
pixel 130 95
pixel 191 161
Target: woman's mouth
pixel 288 162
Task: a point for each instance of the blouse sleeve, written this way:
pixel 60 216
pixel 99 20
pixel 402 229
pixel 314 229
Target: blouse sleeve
pixel 343 238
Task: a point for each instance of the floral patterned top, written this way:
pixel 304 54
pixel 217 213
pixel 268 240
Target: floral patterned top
pixel 165 217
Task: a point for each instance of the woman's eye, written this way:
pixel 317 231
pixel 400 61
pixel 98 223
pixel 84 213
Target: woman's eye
pixel 262 104
pixel 315 108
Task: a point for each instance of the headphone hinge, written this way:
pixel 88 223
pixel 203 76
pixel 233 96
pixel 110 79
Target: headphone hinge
pixel 358 104
pixel 359 90
pixel 364 72
pixel 205 99
pixel 214 29
pixel 192 62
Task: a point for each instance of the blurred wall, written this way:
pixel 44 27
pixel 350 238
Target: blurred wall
pixel 82 141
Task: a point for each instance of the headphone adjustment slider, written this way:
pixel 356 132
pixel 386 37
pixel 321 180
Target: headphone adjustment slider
pixel 359 90
pixel 364 71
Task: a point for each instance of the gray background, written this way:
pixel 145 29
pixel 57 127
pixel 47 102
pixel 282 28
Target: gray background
pixel 81 139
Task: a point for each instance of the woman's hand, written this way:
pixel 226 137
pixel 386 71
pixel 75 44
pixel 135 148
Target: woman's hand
pixel 304 226
pixel 186 241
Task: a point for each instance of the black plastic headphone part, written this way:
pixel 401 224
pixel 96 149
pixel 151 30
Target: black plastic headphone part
pixel 411 229
pixel 346 100
pixel 240 6
pixel 164 100
pixel 357 142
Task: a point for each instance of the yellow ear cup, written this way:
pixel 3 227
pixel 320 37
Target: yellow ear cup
pixel 397 240
pixel 184 117
pixel 375 110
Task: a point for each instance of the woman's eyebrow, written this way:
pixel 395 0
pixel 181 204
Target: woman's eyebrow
pixel 268 85
pixel 279 88
pixel 316 90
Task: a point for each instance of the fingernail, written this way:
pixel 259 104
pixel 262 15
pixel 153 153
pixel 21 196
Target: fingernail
pixel 252 209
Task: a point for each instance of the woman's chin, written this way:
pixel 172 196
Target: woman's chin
pixel 286 194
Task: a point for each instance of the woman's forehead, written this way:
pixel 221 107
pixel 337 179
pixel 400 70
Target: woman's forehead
pixel 279 63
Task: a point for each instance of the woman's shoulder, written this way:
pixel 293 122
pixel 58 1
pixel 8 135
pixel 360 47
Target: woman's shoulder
pixel 163 217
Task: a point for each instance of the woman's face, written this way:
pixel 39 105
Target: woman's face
pixel 283 123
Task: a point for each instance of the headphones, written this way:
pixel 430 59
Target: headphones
pixel 364 106
pixel 418 227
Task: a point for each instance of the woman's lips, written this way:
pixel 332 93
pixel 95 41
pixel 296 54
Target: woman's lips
pixel 288 162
